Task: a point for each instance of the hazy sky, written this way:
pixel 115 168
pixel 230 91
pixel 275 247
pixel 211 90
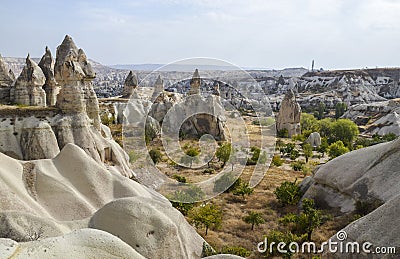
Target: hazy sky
pixel 252 33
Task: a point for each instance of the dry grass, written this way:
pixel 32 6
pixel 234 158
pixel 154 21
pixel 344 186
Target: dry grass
pixel 234 231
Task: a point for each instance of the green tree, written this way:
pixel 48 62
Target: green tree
pixel 191 156
pixel 324 145
pixel 278 237
pixel 184 200
pixel 308 124
pixel 226 183
pixel 340 109
pixel 344 130
pixel 288 193
pixel 321 110
pixel 337 149
pixel 308 151
pixel 253 218
pixel 155 155
pixel 307 221
pixel 207 216
pixel 242 189
pixel 223 153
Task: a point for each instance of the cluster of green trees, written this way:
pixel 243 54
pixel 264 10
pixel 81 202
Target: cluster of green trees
pixel 298 226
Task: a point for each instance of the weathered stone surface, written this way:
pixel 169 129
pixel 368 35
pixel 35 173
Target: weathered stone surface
pixel 289 115
pixel 51 86
pixel 80 244
pixel 71 186
pixel 74 74
pixel 130 84
pixel 370 175
pixel 155 229
pixel 28 87
pixel 380 228
pixel 314 139
pixel 6 81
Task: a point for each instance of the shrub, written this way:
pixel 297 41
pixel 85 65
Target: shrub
pixel 278 237
pixel 283 133
pixel 208 171
pixel 226 183
pixel 287 149
pixel 184 200
pixel 207 216
pixel 298 165
pixel 337 149
pixel 155 155
pixel 294 154
pixel 308 220
pixel 253 218
pixel 207 250
pixel 223 153
pixel 277 160
pixel 179 178
pixel 288 193
pixel 236 250
pixel 308 151
pixel 242 189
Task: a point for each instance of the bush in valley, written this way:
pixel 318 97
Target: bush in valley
pixel 376 139
pixel 149 134
pixel 287 149
pixel 207 216
pixel 333 130
pixel 223 152
pixel 283 133
pixel 255 155
pixel 181 179
pixel 298 166
pixel 184 200
pixel 207 250
pixel 324 146
pixel 294 154
pixel 337 149
pixel 235 250
pixel 226 183
pixel 208 171
pixel 254 218
pixel 308 151
pixel 277 160
pixel 288 193
pixel 242 189
pixel 155 155
pixel 278 237
pixel 305 222
pixel 365 207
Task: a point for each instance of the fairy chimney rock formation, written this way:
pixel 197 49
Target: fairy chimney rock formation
pixel 130 84
pixel 50 87
pixel 195 83
pixel 74 74
pixel 158 87
pixel 289 115
pixel 216 89
pixel 28 87
pixel 6 80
